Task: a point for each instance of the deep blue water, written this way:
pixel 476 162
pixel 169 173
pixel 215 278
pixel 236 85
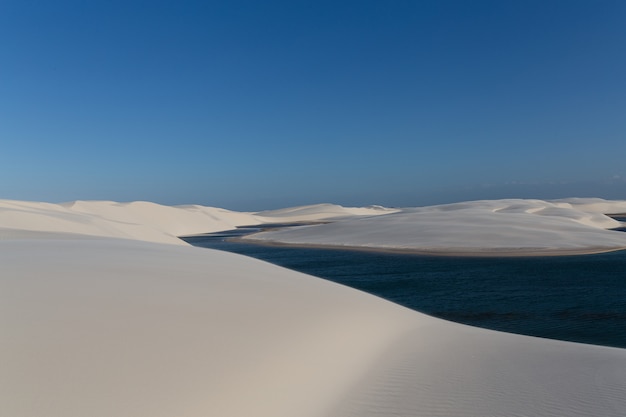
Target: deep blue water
pixel 575 298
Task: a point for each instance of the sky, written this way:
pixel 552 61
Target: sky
pixel 252 105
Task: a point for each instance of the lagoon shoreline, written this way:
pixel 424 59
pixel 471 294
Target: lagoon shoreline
pixel 486 253
pixel 105 312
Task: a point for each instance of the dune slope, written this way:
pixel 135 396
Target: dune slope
pixel 499 227
pixel 107 326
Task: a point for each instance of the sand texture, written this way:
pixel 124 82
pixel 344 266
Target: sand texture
pixel 478 228
pixel 118 325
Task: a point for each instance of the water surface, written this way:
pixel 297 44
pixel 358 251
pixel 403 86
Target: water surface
pixel 576 298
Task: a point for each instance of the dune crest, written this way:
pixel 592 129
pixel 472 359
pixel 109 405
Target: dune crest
pixel 97 321
pixel 491 227
pixel 151 222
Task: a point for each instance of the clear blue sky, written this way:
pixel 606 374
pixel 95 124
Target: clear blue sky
pixel 261 104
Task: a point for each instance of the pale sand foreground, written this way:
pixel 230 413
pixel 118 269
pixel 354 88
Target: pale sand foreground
pixel 96 326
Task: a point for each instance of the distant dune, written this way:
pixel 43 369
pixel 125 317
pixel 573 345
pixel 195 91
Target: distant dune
pixel 104 312
pixel 481 228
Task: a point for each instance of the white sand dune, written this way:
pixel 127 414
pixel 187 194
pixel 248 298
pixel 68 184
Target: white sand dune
pixel 320 212
pixel 494 227
pixel 101 326
pixel 137 221
pixel 151 222
pixel 594 205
